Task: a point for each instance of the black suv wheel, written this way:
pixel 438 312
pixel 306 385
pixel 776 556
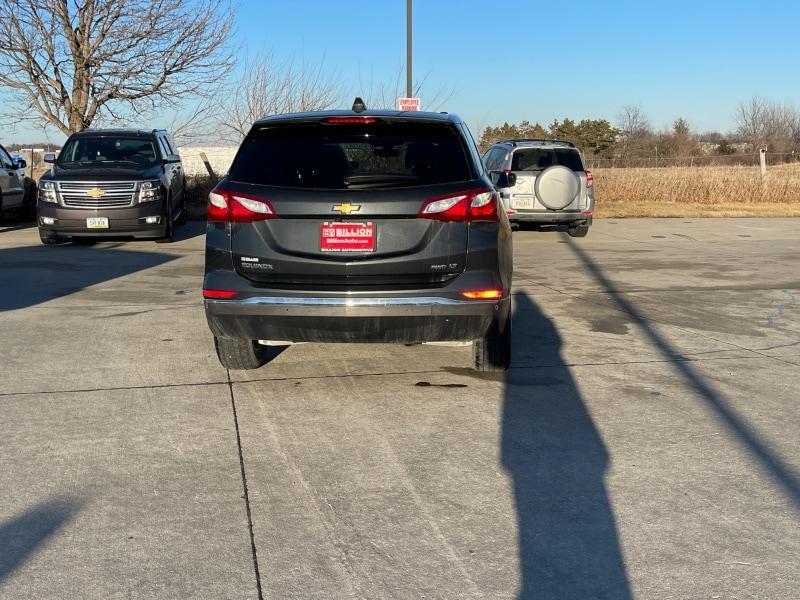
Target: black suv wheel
pixel 169 228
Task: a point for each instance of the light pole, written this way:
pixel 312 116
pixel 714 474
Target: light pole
pixel 409 83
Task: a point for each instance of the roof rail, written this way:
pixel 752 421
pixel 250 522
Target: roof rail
pixel 514 142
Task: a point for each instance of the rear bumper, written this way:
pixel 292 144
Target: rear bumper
pixel 549 216
pixel 121 221
pixel 389 319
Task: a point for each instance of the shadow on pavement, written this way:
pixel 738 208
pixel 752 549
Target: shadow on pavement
pixel 10 223
pixel 568 542
pixel 22 534
pixel 770 462
pixel 30 275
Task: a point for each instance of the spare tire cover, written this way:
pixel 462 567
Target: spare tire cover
pixel 557 186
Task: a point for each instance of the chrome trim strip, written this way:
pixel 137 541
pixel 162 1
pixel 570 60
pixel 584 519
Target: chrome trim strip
pixel 347 302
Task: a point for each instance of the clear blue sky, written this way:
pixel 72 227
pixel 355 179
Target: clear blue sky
pixel 540 60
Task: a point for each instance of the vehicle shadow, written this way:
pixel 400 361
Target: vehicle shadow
pixel 31 275
pixel 771 462
pixel 22 534
pixel 15 222
pixel 191 229
pixel 567 536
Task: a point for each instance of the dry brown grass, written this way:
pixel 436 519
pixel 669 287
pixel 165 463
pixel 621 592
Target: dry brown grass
pixel 733 191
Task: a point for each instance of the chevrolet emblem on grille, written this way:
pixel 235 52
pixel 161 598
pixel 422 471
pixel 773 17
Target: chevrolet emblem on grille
pixel 346 208
pixel 95 193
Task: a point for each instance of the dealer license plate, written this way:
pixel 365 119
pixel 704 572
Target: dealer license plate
pixel 347 237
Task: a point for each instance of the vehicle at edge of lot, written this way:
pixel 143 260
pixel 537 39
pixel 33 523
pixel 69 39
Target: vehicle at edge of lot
pixel 17 192
pixel 358 226
pixel 549 183
pixel 112 182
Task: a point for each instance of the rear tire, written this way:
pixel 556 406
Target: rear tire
pixel 492 353
pixel 578 231
pixel 239 354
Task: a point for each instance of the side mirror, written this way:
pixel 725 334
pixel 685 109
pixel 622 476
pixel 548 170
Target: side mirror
pixel 172 158
pixel 50 157
pixel 503 179
pixel 21 163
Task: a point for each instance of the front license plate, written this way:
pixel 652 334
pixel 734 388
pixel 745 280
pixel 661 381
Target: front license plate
pixel 522 203
pixel 347 237
pixel 97 223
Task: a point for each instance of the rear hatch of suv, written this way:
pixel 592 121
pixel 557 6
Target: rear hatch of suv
pixel 528 163
pixel 336 202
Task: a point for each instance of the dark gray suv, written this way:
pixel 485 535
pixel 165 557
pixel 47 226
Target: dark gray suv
pixel 345 226
pixel 112 182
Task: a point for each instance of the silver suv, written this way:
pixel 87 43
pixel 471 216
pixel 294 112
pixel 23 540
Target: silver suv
pixel 548 183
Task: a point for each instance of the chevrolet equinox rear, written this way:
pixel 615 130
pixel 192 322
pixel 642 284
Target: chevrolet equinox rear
pixel 345 226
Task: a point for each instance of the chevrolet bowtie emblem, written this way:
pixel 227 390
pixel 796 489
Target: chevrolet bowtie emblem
pixel 95 193
pixel 346 208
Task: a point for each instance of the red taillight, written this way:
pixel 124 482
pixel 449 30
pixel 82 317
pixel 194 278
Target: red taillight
pixel 229 206
pixel 470 205
pixel 589 178
pixel 483 294
pixel 350 120
pixel 219 294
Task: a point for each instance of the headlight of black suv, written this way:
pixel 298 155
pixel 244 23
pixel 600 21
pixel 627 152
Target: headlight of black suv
pixel 47 192
pixel 149 191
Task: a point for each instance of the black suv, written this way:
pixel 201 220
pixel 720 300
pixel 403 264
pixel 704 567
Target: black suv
pixel 346 226
pixel 112 182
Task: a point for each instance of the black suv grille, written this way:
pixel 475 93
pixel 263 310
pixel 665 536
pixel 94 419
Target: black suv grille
pixel 107 194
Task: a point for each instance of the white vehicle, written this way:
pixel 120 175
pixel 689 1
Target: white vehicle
pixel 549 183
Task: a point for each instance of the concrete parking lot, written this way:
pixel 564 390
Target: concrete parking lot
pixel 644 444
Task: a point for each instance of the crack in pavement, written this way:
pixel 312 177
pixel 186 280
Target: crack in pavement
pixel 248 510
pixel 683 359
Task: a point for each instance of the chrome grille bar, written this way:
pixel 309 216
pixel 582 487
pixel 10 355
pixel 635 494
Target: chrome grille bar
pixel 113 194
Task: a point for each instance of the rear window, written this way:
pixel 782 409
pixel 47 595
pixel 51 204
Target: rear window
pixel 323 156
pixel 538 159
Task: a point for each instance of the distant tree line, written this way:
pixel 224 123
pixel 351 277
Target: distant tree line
pixel 758 122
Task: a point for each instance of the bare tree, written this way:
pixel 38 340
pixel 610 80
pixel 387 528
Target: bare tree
pixel 762 122
pixel 752 120
pixel 270 87
pixel 632 120
pixel 384 94
pixel 70 63
pixel 635 130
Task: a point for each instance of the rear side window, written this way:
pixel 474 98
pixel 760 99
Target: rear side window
pixel 538 159
pixel 324 156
